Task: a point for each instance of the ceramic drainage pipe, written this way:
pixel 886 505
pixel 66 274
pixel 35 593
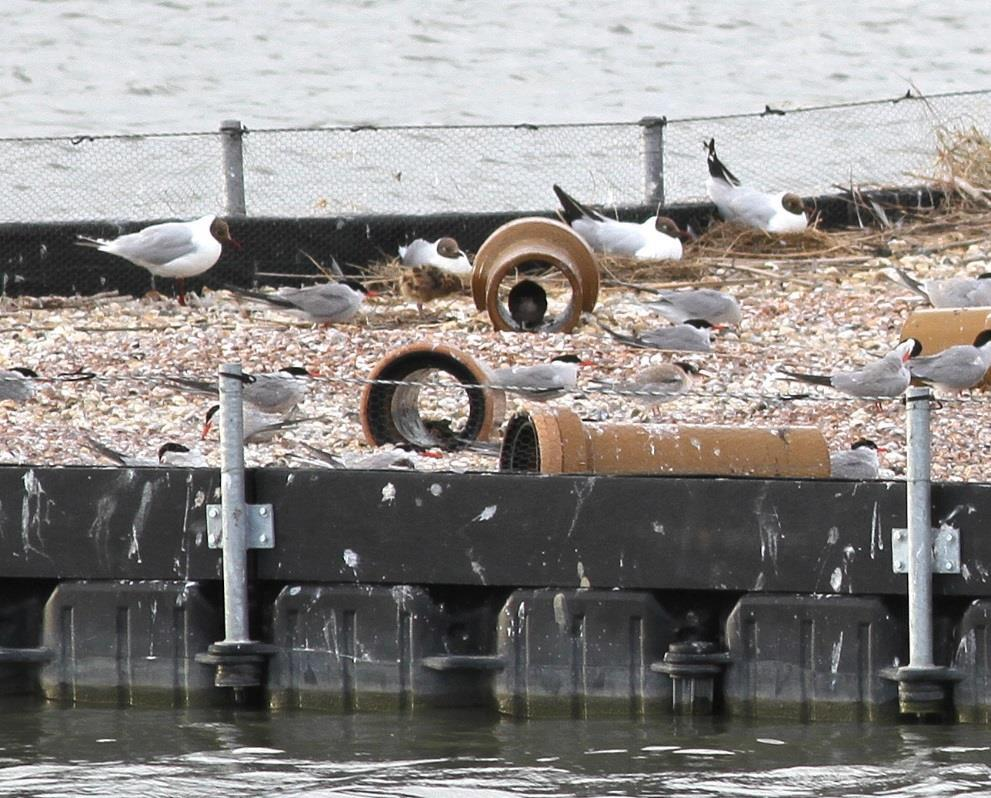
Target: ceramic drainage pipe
pixel 392 413
pixel 558 442
pixel 535 249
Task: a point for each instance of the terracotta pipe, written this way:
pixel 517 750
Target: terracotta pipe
pixel 939 329
pixel 558 442
pixel 391 413
pixel 539 241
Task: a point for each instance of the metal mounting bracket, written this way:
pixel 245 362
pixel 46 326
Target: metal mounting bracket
pixel 946 550
pixel 260 532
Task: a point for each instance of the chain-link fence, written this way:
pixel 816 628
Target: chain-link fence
pixel 470 169
pixel 355 194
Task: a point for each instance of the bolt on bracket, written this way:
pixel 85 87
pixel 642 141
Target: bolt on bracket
pixel 946 550
pixel 260 531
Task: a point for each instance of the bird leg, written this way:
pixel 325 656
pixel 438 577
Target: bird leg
pixel 181 284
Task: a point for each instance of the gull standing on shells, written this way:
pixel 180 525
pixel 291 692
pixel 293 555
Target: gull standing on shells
pixel 957 368
pixel 951 292
pixel 540 382
pixel 173 249
pixel 860 461
pixel 327 303
pixel 444 254
pixel 887 376
pixel 707 304
pixel 17 384
pixel 693 335
pixel 777 213
pixel 656 238
pixel 271 392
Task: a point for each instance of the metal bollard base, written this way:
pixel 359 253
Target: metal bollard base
pixel 238 665
pixel 694 668
pixel 925 692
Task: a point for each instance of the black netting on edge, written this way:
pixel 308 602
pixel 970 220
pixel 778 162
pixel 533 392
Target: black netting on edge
pixel 355 195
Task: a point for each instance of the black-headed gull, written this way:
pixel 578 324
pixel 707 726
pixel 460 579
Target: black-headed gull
pixel 173 249
pixel 709 304
pixel 860 461
pixel 423 284
pixel 540 382
pixel 327 303
pixel 271 392
pixel 777 213
pixel 957 368
pixel 887 376
pixel 17 384
pixel 653 239
pixel 694 335
pixel 951 292
pixel 443 253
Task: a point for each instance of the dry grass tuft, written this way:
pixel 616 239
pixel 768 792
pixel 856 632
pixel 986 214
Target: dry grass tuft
pixel 963 166
pixel 725 239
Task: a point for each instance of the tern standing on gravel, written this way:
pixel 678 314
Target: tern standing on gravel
pixel 694 335
pixel 888 376
pixel 777 213
pixel 271 392
pixel 707 304
pixel 173 249
pixel 541 382
pixel 327 303
pixel 951 292
pixel 957 368
pixel 17 384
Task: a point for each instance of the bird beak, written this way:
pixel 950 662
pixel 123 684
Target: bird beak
pixel 313 372
pixel 372 293
pixel 206 430
pixel 586 363
pixel 881 450
pixel 234 242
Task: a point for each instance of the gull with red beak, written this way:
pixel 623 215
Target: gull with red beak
pixel 173 249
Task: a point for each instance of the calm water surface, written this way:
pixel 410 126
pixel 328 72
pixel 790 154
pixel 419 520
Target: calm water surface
pixel 60 752
pixel 115 66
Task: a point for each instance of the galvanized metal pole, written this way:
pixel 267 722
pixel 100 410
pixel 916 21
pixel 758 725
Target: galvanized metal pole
pixel 233 507
pixel 652 132
pixel 920 543
pixel 231 134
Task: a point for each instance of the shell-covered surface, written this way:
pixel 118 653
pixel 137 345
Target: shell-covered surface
pixel 809 312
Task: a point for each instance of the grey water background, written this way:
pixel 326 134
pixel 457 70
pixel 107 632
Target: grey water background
pixel 73 67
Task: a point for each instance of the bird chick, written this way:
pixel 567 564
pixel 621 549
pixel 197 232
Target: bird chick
pixel 423 284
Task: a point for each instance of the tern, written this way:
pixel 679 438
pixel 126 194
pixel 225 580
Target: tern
pixel 658 384
pixel 540 382
pixel 271 392
pixel 694 335
pixel 258 426
pixel 777 213
pixel 17 384
pixel 952 292
pixel 887 376
pixel 707 304
pixel 860 461
pixel 327 303
pixel 169 454
pixel 957 368
pixel 656 238
pixel 173 249
pixel 443 254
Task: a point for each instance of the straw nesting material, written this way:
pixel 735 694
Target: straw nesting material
pixel 811 315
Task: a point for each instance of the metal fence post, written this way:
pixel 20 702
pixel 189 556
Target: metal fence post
pixel 231 135
pixel 652 133
pixel 924 688
pixel 238 659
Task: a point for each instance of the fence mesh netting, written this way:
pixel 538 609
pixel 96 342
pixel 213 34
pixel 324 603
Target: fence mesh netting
pixel 373 180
